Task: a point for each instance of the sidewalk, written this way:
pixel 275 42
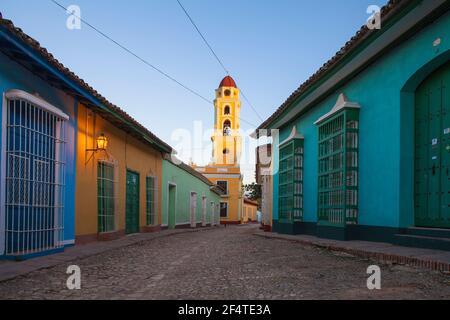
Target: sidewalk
pixel 435 260
pixel 12 269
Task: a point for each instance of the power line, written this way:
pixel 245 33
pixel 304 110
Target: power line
pixel 215 55
pixel 204 39
pixel 135 55
pixel 165 74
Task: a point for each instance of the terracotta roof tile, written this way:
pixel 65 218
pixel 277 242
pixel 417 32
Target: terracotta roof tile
pixel 35 45
pixel 390 9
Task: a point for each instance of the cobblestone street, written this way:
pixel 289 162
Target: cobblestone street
pixel 226 263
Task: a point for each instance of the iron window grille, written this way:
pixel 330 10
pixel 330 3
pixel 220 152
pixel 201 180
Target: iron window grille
pixel 151 193
pixel 106 197
pixel 338 167
pixel 290 187
pixel 33 175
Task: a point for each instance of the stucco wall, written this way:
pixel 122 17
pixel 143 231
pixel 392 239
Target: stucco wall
pixel 386 159
pixel 234 198
pixel 185 184
pixel 14 76
pixel 127 153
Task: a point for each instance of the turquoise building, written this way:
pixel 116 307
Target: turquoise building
pixel 363 149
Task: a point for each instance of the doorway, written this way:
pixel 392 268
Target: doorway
pixel 203 211
pixel 172 206
pixel 132 203
pixel 193 207
pixel 432 151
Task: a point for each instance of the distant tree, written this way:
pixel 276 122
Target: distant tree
pixel 253 191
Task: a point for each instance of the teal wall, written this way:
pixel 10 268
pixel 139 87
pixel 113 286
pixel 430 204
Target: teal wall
pixel 185 184
pixel 385 91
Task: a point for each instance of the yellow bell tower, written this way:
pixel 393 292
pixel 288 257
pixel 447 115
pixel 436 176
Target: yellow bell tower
pixel 226 138
pixel 225 168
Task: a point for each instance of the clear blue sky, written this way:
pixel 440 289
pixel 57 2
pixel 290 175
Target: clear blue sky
pixel 270 47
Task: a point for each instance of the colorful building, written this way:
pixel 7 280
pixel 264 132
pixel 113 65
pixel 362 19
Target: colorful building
pixel 73 165
pixel 225 169
pixel 118 188
pixel 250 212
pixel 264 180
pixel 363 150
pixel 37 143
pixel 189 200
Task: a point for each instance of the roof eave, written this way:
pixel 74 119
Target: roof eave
pixel 337 62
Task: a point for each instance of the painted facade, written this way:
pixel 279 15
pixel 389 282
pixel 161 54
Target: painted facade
pixel 225 169
pixel 250 212
pixel 188 198
pixel 73 165
pixel 264 180
pixel 37 158
pixel 100 218
pixel 366 115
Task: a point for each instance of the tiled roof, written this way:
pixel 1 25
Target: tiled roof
pixel 228 82
pixel 123 119
pixel 389 10
pixel 194 173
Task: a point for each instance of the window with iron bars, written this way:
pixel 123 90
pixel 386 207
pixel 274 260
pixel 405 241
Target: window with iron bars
pixel 106 197
pixel 151 195
pixel 291 181
pixel 338 168
pixel 33 175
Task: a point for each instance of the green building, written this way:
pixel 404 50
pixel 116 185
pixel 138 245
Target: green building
pixel 188 198
pixel 364 145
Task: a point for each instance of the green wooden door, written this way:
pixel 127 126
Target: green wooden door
pixel 432 151
pixel 132 203
pixel 172 206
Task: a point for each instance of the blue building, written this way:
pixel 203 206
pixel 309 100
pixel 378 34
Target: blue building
pixel 37 157
pixel 364 144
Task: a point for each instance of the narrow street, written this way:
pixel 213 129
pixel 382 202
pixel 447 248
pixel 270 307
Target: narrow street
pixel 225 263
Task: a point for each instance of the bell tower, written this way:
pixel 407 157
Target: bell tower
pixel 226 139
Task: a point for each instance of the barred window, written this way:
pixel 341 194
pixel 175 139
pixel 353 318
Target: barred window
pixel 338 168
pixel 291 181
pixel 106 197
pixel 33 177
pixel 151 191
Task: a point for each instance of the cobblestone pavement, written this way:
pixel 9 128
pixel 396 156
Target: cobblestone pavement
pixel 226 263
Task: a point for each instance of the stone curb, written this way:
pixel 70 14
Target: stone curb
pixel 13 269
pixel 381 257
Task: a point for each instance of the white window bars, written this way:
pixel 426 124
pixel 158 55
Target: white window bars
pixel 33 175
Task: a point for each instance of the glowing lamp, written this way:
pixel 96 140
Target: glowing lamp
pixel 102 143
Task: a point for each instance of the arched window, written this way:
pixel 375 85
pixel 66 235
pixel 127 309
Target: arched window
pixel 226 111
pixel 227 128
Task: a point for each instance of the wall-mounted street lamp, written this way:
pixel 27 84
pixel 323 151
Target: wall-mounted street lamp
pixel 102 145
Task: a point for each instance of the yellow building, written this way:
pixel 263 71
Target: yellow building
pixel 118 187
pixel 225 169
pixel 250 213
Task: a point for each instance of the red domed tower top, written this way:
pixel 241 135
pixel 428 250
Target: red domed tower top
pixel 228 82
